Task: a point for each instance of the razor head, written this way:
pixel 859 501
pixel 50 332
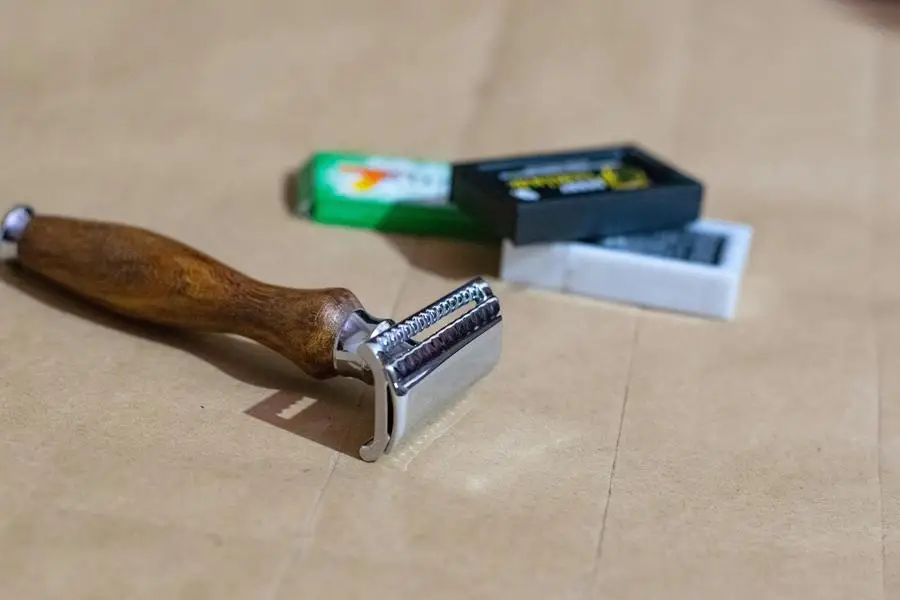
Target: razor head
pixel 415 380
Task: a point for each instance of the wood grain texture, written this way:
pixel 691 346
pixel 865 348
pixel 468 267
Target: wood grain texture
pixel 147 276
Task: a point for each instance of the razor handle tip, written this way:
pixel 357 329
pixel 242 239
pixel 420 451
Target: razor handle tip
pixel 14 222
pixel 149 277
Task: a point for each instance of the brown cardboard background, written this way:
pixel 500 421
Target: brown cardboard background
pixel 613 453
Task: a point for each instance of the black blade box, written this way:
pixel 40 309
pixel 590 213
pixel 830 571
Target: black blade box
pixel 577 194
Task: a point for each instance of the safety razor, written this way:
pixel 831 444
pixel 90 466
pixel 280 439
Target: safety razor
pixel 325 332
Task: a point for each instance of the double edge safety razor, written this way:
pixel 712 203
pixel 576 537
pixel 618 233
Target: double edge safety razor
pixel 325 332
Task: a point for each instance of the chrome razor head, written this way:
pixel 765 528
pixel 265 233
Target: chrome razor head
pixel 415 380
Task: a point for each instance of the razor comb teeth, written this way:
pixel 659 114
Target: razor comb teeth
pixel 445 340
pixel 422 320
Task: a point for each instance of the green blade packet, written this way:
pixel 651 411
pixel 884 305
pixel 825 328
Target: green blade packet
pixel 385 193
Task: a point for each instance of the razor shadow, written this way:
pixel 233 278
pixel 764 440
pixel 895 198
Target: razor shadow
pixel 325 332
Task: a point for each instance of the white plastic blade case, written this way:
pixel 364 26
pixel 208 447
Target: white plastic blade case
pixel 696 270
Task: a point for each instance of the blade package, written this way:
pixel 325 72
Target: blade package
pixel 325 332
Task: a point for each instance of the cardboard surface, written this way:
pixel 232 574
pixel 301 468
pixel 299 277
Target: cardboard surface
pixel 613 453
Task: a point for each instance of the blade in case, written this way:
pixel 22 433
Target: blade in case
pixel 696 270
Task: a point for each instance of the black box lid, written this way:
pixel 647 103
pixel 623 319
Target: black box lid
pixel 577 194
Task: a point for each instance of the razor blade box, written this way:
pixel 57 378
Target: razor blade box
pixel 385 193
pixel 575 195
pixel 696 269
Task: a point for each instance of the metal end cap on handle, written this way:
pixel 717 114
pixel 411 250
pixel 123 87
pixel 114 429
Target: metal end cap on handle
pixel 15 222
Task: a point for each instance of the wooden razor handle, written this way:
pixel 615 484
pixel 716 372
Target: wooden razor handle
pixel 146 276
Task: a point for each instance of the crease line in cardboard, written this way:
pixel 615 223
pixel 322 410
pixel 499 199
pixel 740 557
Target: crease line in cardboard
pixel 873 126
pixel 307 536
pixel 612 470
pixel 491 61
pixel 680 80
